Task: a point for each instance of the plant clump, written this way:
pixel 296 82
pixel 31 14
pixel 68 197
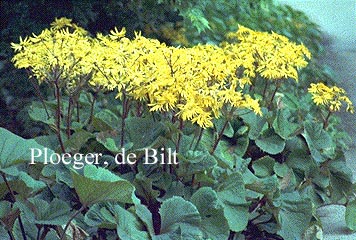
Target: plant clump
pixel 254 158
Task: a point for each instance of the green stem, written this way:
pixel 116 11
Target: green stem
pixel 69 115
pixel 125 106
pixel 69 221
pixel 58 116
pixel 326 120
pixel 95 95
pixel 78 115
pixel 38 232
pixel 38 93
pixel 11 235
pixel 219 137
pixel 44 233
pixel 273 95
pixel 265 89
pixel 199 138
pixel 179 134
pixel 23 232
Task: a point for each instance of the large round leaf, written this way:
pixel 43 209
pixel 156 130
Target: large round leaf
pixel 15 149
pixel 350 215
pixel 179 213
pixel 100 185
pixel 270 142
pixel 214 224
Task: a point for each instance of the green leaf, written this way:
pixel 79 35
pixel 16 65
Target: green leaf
pixel 108 140
pixel 270 142
pixel 113 216
pixel 263 167
pixel 38 113
pixel 267 185
pixel 100 185
pixel 213 223
pixel 15 149
pixel 143 132
pixel 48 141
pixel 219 124
pixel 146 217
pixel 283 127
pixel 33 184
pixel 280 169
pixel 60 172
pixel 319 141
pixel 255 123
pixel 143 186
pixel 350 215
pixel 225 154
pixel 128 226
pixel 197 18
pixel 194 162
pixel 241 146
pixel 301 161
pixel 106 120
pixel 56 212
pixel 8 215
pixel 179 213
pixel 294 215
pixel 78 140
pixel 231 194
pixel 95 217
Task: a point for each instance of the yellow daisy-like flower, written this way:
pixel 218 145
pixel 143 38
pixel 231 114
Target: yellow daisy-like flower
pixel 330 97
pixel 59 54
pixel 270 55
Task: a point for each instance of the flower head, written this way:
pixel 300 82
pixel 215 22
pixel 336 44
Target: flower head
pixel 330 97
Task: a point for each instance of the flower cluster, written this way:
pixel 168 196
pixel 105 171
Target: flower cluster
pixel 270 55
pixel 330 97
pixel 194 83
pixel 59 54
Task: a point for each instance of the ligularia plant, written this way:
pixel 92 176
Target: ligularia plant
pixel 245 166
pixel 61 57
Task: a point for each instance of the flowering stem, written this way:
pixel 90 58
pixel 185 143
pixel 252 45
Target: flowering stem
pixel 265 89
pixel 326 120
pixel 199 138
pixel 273 95
pixel 219 137
pixel 179 134
pixel 69 221
pixel 38 92
pixel 69 115
pixel 95 95
pixel 23 232
pixel 125 106
pixel 138 109
pixel 78 115
pixel 11 235
pixel 58 116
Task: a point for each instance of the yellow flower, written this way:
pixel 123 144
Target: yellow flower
pixel 59 54
pixel 193 83
pixel 270 55
pixel 330 97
